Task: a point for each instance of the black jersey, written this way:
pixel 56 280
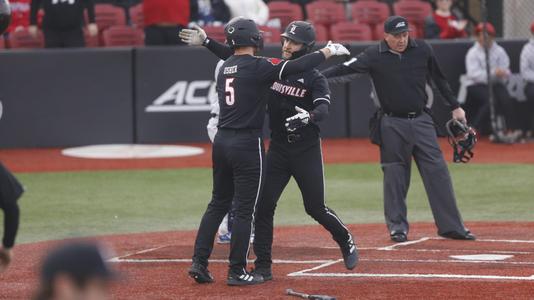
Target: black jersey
pixel 305 90
pixel 242 85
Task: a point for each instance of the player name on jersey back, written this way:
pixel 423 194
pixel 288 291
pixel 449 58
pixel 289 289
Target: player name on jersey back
pixel 230 70
pixel 288 90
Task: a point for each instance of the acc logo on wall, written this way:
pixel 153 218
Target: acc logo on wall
pixel 185 96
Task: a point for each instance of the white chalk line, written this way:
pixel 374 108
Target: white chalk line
pixel 394 246
pixel 188 260
pixel 418 276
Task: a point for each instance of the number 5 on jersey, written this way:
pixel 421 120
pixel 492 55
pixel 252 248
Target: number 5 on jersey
pixel 229 90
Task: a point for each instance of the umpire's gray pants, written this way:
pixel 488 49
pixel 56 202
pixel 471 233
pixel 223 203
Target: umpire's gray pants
pixel 401 139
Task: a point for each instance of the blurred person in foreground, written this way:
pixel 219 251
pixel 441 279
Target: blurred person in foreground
pixel 75 271
pixel 10 188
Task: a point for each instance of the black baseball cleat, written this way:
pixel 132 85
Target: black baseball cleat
pixel 243 278
pixel 266 273
pixel 468 236
pixel 200 273
pixel 350 253
pixel 399 237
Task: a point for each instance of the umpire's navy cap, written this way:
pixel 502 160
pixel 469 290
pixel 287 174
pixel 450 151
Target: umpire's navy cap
pixel 396 24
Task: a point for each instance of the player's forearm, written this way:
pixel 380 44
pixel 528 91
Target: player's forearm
pixel 320 112
pixel 11 224
pixel 303 63
pixel 222 51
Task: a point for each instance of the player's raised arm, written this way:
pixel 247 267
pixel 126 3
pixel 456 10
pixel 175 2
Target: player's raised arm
pixel 198 37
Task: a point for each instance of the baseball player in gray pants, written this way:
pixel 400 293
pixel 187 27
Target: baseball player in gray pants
pixel 399 68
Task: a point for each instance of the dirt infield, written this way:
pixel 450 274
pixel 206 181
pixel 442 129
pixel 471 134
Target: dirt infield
pixel 154 265
pixel 335 151
pixel 499 265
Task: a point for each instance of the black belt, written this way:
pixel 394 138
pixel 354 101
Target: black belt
pixel 408 115
pixel 241 130
pixel 295 137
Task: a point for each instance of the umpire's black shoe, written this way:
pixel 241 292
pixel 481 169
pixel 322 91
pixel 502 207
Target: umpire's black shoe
pixel 350 253
pixel 459 236
pixel 266 273
pixel 399 237
pixel 244 278
pixel 200 273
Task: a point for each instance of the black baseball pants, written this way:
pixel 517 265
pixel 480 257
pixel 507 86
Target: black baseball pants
pixel 238 159
pixel 477 106
pixel 303 160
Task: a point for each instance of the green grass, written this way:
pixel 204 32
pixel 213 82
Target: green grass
pixel 72 204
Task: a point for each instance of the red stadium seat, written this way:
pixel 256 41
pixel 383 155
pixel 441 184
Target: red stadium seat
pixel 321 34
pixel 325 12
pixel 22 39
pixel 415 11
pixel 136 16
pixel 107 15
pixel 270 35
pixel 285 11
pixel 370 12
pixel 2 43
pixel 349 31
pixel 117 36
pixel 215 32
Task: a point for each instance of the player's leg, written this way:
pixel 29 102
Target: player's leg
pixel 276 178
pixel 396 161
pixel 436 178
pixel 247 157
pixel 223 191
pixel 307 168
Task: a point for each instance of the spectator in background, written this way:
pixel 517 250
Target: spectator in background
pixel 20 15
pixel 63 22
pixel 443 24
pixel 75 271
pixel 164 19
pixel 477 105
pixel 256 10
pixel 526 66
pixel 210 12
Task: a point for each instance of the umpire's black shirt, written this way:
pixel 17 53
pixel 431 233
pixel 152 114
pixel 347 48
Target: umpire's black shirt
pixel 399 78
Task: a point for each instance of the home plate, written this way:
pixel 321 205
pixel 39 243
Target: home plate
pixel 482 257
pixel 131 151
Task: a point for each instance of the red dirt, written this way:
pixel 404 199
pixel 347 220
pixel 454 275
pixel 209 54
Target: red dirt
pixel 335 151
pixel 168 280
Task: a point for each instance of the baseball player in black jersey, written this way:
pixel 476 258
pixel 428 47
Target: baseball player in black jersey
pixel 10 188
pixel 238 153
pixel 295 149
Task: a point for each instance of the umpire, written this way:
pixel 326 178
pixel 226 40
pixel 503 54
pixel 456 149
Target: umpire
pixel 10 188
pixel 399 68
pixel 238 152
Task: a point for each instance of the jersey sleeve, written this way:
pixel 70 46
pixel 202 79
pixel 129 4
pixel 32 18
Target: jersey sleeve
pixel 320 90
pixel 270 69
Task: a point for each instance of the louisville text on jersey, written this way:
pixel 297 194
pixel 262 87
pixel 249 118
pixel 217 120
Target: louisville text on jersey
pixel 288 90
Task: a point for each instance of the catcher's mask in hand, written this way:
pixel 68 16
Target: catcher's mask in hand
pixel 462 138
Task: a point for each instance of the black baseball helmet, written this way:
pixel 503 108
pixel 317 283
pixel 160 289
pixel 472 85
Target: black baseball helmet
pixel 5 15
pixel 462 138
pixel 241 32
pixel 300 32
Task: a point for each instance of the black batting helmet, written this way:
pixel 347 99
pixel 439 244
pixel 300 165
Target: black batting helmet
pixel 300 32
pixel 462 138
pixel 5 15
pixel 241 32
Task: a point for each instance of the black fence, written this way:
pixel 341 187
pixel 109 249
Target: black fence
pixel 56 98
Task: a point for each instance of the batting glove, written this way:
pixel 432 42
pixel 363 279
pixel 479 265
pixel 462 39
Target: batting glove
pixel 193 37
pixel 301 119
pixel 337 49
